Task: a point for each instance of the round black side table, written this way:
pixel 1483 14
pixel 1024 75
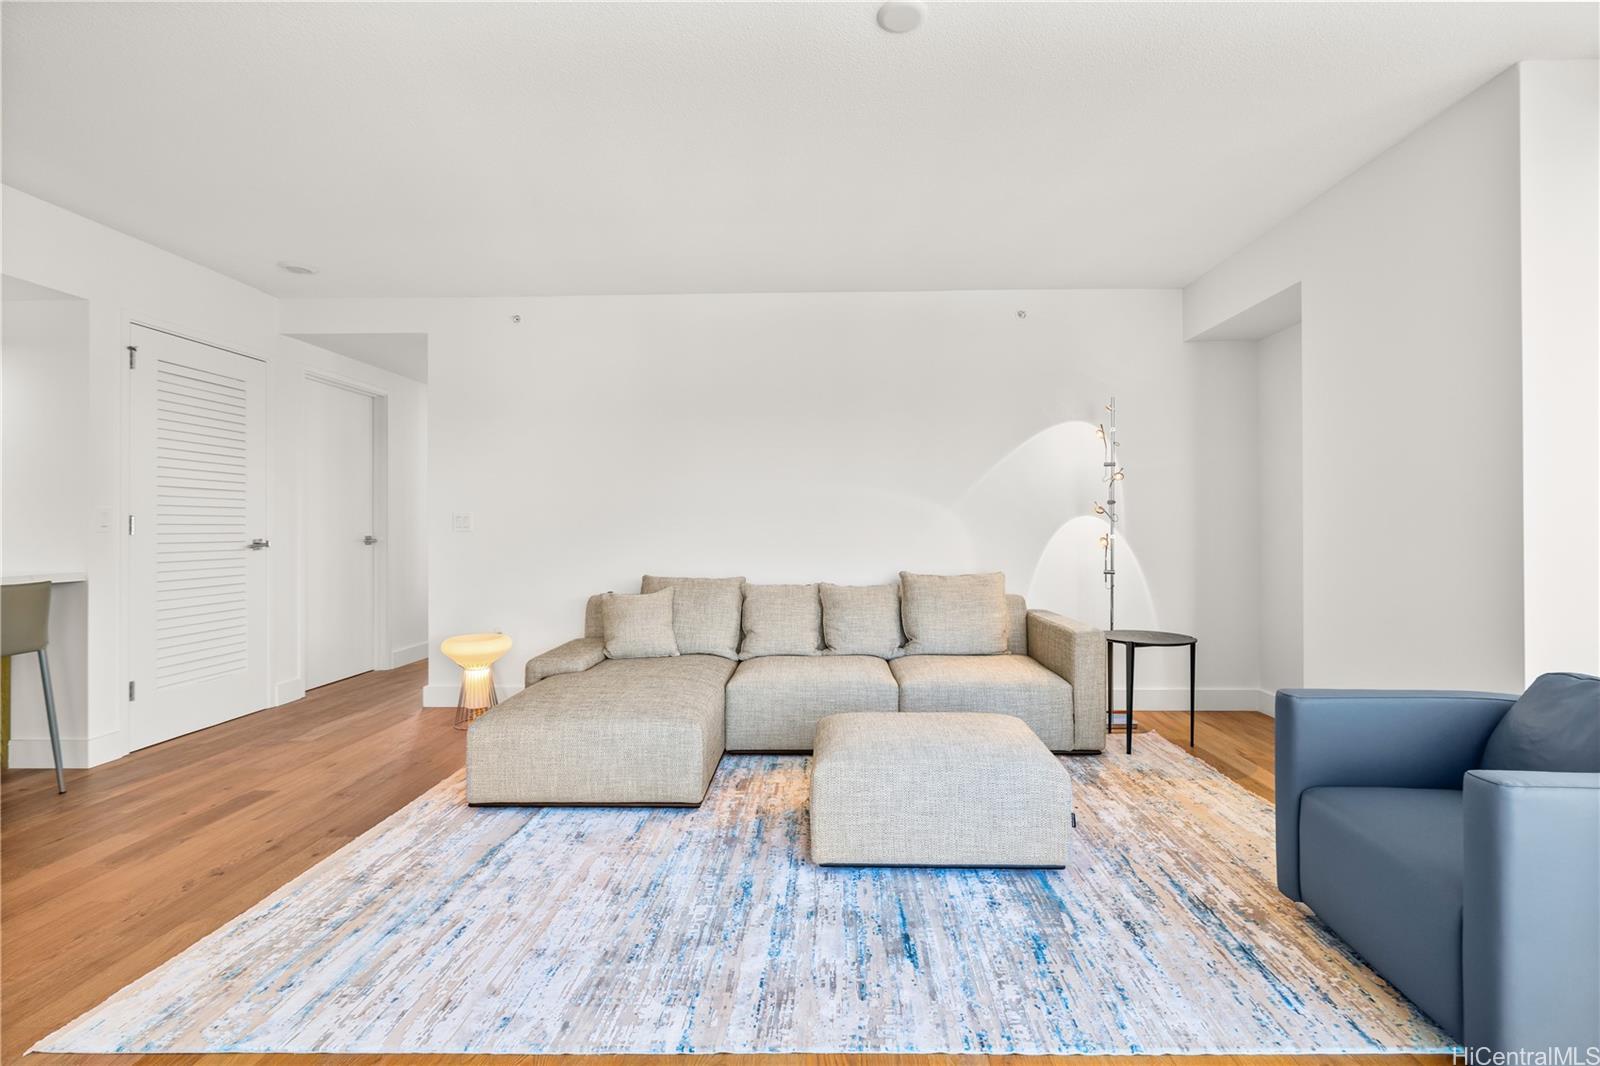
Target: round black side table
pixel 1146 638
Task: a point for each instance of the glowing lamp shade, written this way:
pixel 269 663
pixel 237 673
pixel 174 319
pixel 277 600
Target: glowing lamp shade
pixel 475 653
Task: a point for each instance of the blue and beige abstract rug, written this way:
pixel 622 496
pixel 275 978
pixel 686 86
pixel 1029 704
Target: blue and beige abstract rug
pixel 452 929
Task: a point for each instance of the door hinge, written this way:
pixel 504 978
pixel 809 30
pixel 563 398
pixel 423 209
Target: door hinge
pixel 130 525
pixel 133 356
pixel 130 692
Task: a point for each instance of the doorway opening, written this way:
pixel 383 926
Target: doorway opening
pixel 343 530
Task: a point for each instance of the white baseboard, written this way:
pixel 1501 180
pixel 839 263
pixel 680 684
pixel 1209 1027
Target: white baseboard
pixel 440 695
pixel 33 753
pixel 1205 699
pixel 408 654
pixel 288 691
pixel 447 695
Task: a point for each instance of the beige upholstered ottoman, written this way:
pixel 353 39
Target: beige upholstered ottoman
pixel 936 789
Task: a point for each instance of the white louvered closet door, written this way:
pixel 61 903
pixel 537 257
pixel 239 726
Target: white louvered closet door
pixel 199 590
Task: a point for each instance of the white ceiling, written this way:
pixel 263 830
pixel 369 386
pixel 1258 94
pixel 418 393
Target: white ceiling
pixel 528 149
pixel 405 354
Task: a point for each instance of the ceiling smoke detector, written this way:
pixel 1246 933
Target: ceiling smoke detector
pixel 296 268
pixel 901 16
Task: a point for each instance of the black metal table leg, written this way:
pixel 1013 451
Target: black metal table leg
pixel 1109 671
pixel 1133 639
pixel 1191 695
pixel 1130 699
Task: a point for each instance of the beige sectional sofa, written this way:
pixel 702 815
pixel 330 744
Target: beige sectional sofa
pixel 650 730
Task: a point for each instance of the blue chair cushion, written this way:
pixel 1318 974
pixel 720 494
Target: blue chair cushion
pixel 1382 867
pixel 1554 726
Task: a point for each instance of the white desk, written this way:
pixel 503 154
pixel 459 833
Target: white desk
pixel 68 578
pixel 69 670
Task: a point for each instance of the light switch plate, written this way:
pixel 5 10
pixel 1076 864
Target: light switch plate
pixel 461 521
pixel 102 519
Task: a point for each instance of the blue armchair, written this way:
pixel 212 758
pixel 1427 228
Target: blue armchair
pixel 1474 891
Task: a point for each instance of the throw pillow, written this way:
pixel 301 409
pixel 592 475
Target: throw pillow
pixel 1554 726
pixel 638 627
pixel 861 620
pixel 705 612
pixel 781 620
pixel 959 615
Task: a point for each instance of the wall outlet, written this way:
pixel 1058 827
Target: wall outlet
pixel 461 522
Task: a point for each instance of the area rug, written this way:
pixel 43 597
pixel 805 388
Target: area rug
pixel 452 929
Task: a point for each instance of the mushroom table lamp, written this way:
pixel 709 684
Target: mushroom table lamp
pixel 475 653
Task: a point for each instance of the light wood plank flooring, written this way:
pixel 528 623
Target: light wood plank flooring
pixel 146 855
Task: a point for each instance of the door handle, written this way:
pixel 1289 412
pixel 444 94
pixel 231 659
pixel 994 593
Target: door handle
pixel 369 539
pixel 259 543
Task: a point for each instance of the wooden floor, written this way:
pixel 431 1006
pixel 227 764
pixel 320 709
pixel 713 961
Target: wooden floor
pixel 146 855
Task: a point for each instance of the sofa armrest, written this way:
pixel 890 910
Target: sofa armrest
pixel 1530 947
pixel 1076 652
pixel 572 657
pixel 1375 738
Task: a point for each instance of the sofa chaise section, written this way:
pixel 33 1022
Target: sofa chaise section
pixel 620 732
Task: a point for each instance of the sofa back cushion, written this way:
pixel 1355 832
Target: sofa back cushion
pixel 781 620
pixel 638 627
pixel 964 614
pixel 861 620
pixel 1017 624
pixel 705 612
pixel 1554 726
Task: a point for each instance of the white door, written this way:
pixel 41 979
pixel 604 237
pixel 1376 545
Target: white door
pixel 340 541
pixel 198 602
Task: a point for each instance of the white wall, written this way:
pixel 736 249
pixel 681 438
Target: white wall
pixel 44 361
pixel 1560 367
pixel 402 428
pixel 124 280
pixel 1278 460
pixel 1411 424
pixel 44 499
pixel 819 436
pixel 1226 530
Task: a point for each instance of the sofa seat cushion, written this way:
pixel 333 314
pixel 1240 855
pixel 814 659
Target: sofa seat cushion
pixel 1382 867
pixel 774 702
pixel 994 684
pixel 625 731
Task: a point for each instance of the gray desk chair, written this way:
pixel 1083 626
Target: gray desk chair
pixel 24 628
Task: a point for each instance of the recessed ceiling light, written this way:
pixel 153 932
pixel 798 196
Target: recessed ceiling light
pixel 296 268
pixel 901 16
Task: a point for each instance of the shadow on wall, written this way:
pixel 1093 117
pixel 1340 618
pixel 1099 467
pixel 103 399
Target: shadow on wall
pixel 1031 513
